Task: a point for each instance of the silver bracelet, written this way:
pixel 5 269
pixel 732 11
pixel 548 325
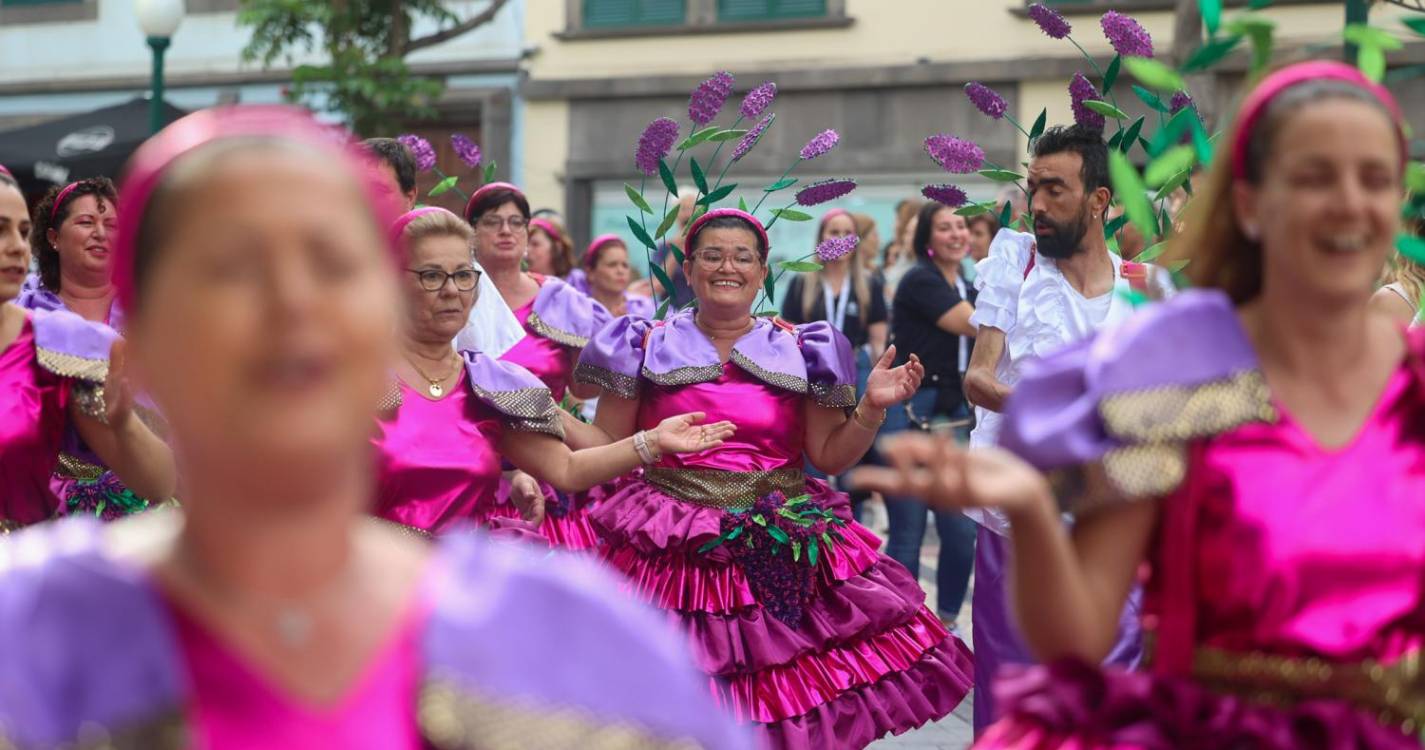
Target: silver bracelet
pixel 640 445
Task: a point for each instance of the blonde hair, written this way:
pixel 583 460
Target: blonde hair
pixel 811 282
pixel 436 224
pixel 1409 275
pixel 865 227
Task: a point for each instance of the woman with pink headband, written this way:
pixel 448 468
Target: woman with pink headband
pixel 1258 442
pixel 607 272
pixel 442 433
pixel 810 633
pixel 60 384
pixel 550 253
pixel 272 611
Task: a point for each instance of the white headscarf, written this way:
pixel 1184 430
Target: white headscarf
pixel 492 328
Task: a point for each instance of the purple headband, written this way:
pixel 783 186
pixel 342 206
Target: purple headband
pixel 591 255
pixel 398 227
pixel 749 218
pixel 1257 102
pixel 158 154
pixel 484 190
pixel 59 199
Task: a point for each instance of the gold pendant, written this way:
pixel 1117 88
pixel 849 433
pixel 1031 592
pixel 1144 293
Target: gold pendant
pixel 436 391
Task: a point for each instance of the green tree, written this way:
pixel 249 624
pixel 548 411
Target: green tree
pixel 364 76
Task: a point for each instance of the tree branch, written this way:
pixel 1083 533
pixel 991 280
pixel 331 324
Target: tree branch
pixel 475 21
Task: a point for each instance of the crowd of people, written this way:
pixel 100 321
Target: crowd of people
pixel 388 475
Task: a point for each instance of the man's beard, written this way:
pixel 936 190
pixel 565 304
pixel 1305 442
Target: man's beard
pixel 1067 238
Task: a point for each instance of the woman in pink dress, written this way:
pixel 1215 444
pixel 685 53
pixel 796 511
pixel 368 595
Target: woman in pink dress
pixel 56 374
pixel 272 611
pixel 451 415
pixel 811 634
pixel 1259 442
pixel 558 321
pixel 607 272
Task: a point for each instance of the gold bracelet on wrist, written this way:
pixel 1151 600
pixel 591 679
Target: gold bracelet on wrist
pixel 863 421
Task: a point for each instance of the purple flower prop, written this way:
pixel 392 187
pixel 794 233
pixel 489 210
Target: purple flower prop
pixel 1049 21
pixel 421 149
pixel 955 155
pixel 948 195
pixel 654 144
pixel 709 97
pixel 1081 89
pixel 824 191
pixel 824 141
pixel 833 248
pixel 758 100
pixel 466 150
pixel 750 139
pixel 1126 35
pixel 1180 99
pixel 986 99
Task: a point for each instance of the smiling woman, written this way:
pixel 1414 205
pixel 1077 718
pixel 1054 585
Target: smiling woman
pixel 74 228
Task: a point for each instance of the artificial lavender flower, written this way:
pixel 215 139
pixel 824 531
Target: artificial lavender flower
pixel 955 154
pixel 986 99
pixel 420 149
pixel 758 100
pixel 750 139
pixel 948 195
pixel 1180 100
pixel 824 141
pixel 1126 35
pixel 1081 89
pixel 1049 21
pixel 654 144
pixel 824 191
pixel 833 248
pixel 466 150
pixel 707 99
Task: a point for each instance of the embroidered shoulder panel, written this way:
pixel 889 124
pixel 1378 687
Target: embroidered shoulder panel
pixel 527 409
pixel 617 383
pixel 557 335
pixel 72 365
pixel 391 399
pixel 778 379
pixel 683 375
pixel 169 731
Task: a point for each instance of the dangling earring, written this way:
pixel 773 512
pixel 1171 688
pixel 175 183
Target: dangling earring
pixel 930 252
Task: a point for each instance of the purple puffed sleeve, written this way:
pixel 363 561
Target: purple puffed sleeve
pixel 522 400
pixel 831 365
pixel 564 314
pixel 1051 419
pixel 613 358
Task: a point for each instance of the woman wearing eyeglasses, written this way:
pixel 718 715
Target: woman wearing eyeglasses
pixel 443 429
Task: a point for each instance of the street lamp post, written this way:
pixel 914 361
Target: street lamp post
pixel 159 20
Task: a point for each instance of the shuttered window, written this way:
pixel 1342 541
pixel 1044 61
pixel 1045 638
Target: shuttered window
pixel 606 14
pixel 765 10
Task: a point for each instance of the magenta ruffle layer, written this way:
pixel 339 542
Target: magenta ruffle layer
pixel 572 531
pixel 868 658
pixel 1071 705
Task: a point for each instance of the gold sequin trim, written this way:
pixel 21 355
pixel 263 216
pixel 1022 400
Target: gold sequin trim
pixel 1393 693
pixel 726 490
pixel 7 526
pixel 72 366
pixel 453 719
pixel 781 380
pixel 73 467
pixel 391 399
pixel 1175 413
pixel 1150 470
pixel 617 383
pixel 556 335
pixel 167 732
pixel 553 425
pixel 89 399
pixel 408 529
pixel 683 375
pixel 530 409
pixel 841 396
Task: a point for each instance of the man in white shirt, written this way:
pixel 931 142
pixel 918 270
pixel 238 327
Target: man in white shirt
pixel 1037 293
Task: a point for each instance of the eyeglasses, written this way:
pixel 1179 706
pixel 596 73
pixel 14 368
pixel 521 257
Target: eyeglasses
pixel 493 223
pixel 712 260
pixel 433 280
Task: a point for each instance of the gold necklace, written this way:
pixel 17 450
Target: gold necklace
pixel 717 336
pixel 435 388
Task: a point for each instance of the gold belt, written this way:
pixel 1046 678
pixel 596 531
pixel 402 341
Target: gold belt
pixel 728 490
pixel 73 467
pixel 1393 693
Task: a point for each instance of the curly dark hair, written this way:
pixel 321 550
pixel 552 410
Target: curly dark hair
pixel 46 254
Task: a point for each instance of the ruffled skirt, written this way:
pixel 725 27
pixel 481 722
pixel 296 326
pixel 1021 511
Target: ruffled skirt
pixel 567 523
pixel 1074 706
pixel 866 658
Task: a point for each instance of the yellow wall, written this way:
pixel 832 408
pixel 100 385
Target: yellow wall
pixel 546 149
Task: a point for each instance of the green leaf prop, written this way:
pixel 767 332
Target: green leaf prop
pixel 1131 136
pixel 1000 175
pixel 697 138
pixel 741 204
pixel 813 548
pixel 1176 181
pixel 1004 214
pixel 1149 98
pixel 1151 254
pixel 1154 74
pixel 667 223
pixel 726 135
pixel 1211 15
pixel 666 174
pixel 658 273
pixel 777 534
pixel 799 266
pixel 717 195
pixel 1415 177
pixel 1110 76
pixel 699 179
pixel 1112 227
pixel 974 209
pixel 1168 164
pixel 1116 142
pixel 443 186
pixel 1411 247
pixel 769 286
pixel 1200 142
pixel 490 172
pixel 1173 131
pixel 1416 24
pixel 637 199
pixel 1371 60
pixel 1105 109
pixel 1039 124
pixel 642 235
pixel 662 311
pixel 790 214
pixel 1209 54
pixel 1259 30
pixel 1129 188
pixel 781 184
pixel 1258 4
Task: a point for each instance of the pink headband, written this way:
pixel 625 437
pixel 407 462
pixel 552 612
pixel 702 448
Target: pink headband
pixel 59 200
pixel 149 165
pixel 398 227
pixel 749 218
pixel 1257 102
pixel 599 243
pixel 832 214
pixel 484 190
pixel 5 170
pixel 546 225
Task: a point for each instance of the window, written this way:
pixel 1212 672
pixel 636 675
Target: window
pixel 769 10
pixel 19 12
pixel 605 14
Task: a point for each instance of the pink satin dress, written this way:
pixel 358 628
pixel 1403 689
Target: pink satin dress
pixel 33 414
pixel 549 360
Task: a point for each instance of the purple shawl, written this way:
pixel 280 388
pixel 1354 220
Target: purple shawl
pixel 520 398
pixel 813 359
pixel 565 315
pixel 34 296
pixel 517 641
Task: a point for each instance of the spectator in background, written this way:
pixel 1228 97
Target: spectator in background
pixel 607 272
pixel 982 231
pixel 551 253
pixel 899 256
pixel 931 319
pixel 1018 201
pixel 397 167
pixel 869 251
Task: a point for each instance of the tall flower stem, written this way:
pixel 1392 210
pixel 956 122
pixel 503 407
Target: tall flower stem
pixel 455 187
pixel 763 199
pixel 718 150
pixel 1111 98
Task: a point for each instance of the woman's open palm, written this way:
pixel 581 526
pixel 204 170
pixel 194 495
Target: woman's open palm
pixel 888 386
